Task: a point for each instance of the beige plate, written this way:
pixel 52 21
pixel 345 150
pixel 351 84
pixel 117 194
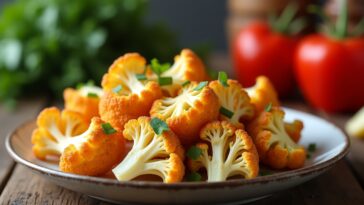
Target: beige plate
pixel 332 145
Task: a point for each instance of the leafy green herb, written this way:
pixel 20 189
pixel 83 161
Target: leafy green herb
pixel 268 107
pixel 158 125
pixel 141 77
pixel 200 86
pixel 193 177
pixel 165 80
pixel 85 37
pixel 117 89
pixel 92 95
pixel 107 128
pixel 194 152
pixel 88 83
pixel 159 68
pixel 311 147
pixel 223 79
pixel 187 82
pixel 226 112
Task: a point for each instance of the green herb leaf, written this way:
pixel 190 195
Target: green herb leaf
pixel 193 177
pixel 141 77
pixel 92 95
pixel 107 128
pixel 88 83
pixel 187 82
pixel 117 89
pixel 200 86
pixel 311 147
pixel 268 107
pixel 194 152
pixel 159 68
pixel 223 79
pixel 165 80
pixel 158 125
pixel 226 112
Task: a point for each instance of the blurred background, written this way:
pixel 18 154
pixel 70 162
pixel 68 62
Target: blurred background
pixel 46 46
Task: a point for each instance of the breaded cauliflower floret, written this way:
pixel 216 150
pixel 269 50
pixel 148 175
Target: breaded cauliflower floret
pixel 151 154
pixel 125 96
pixel 232 153
pixel 187 67
pixel 275 147
pixel 294 129
pixel 188 112
pixel 84 100
pixel 235 99
pixel 55 130
pixel 93 152
pixel 263 93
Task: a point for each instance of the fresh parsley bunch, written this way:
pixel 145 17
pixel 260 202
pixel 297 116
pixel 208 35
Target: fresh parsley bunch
pixel 46 46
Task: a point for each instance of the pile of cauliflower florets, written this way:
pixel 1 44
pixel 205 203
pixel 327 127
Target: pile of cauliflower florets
pixel 168 122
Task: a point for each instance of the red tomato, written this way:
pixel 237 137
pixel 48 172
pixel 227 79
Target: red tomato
pixel 331 72
pixel 258 50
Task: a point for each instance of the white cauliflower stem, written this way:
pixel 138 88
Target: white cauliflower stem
pixel 151 154
pixel 232 153
pixel 56 131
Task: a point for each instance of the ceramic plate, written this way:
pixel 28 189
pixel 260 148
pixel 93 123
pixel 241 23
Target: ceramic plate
pixel 331 142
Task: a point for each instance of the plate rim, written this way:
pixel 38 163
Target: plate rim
pixel 183 185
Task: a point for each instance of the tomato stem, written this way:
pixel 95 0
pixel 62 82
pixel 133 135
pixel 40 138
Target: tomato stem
pixel 286 23
pixel 342 21
pixel 315 9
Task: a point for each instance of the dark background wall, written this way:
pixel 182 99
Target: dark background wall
pixel 194 21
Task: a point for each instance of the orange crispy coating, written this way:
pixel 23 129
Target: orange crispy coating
pixel 235 99
pixel 87 106
pixel 264 93
pixel 294 130
pixel 172 143
pixel 188 123
pixel 117 109
pixel 96 155
pixel 129 62
pixel 120 109
pixel 52 117
pixel 176 170
pixel 194 67
pixel 277 152
pixel 187 66
pixel 249 155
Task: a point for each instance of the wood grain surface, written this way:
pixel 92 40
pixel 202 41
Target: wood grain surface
pixel 9 120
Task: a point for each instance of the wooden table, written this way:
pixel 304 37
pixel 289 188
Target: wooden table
pixel 341 185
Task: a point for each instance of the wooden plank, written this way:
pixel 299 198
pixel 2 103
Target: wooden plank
pixel 337 186
pixel 25 110
pixel 25 187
